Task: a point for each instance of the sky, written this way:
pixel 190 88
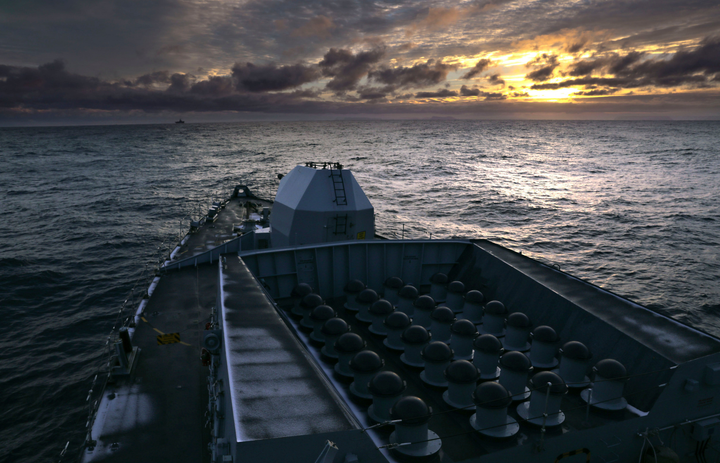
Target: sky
pixel 125 61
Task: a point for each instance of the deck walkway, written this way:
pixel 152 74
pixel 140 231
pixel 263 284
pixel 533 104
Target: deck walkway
pixel 158 412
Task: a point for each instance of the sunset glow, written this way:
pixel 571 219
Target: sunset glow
pixel 367 59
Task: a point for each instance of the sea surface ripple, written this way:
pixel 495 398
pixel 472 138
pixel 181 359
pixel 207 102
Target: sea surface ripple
pixel 88 212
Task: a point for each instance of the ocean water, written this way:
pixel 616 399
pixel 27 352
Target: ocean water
pixel 88 212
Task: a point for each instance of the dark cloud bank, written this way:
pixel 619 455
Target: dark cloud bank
pixel 276 89
pixel 699 67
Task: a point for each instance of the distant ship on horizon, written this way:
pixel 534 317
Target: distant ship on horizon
pixel 179 121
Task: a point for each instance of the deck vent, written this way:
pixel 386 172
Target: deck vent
pixel 319 316
pixel 395 323
pixel 307 305
pixel 364 300
pixel 517 332
pixel 386 388
pixel 364 365
pixel 437 356
pixel 412 430
pixel 407 296
pixel 379 311
pixel 463 333
pixel 574 359
pixel 472 308
pixel 607 386
pixel 544 347
pixel 347 345
pixel 333 329
pixel 494 317
pixel 544 406
pixel 487 355
pixel 462 377
pixel 352 289
pixel 298 293
pixel 514 370
pixel 438 287
pixel 455 292
pixel 491 419
pixel 414 339
pixel 441 320
pixel 391 289
pixel 424 305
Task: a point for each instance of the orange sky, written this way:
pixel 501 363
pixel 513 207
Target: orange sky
pixel 326 59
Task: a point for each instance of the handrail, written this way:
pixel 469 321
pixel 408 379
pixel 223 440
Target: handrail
pixel 210 255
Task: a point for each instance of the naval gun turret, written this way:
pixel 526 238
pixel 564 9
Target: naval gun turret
pixel 319 203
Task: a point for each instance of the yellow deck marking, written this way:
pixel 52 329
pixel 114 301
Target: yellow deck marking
pixel 163 337
pixel 170 338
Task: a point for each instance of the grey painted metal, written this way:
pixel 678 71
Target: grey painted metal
pixel 491 407
pixel 406 298
pixel 669 382
pixel 454 296
pixel 418 441
pixel 517 333
pixel 319 265
pixel 472 307
pixel 463 333
pixel 462 377
pixel 543 408
pixel 259 354
pixel 572 368
pixel 438 289
pixel 306 212
pixel 441 320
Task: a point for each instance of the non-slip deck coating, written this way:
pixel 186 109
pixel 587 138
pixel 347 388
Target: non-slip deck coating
pixel 159 412
pixel 276 389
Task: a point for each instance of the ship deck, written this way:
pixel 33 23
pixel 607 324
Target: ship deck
pixel 158 412
pixel 460 441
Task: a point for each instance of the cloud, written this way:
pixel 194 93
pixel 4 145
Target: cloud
pixel 50 78
pixel 585 82
pixel 420 75
pixel 153 78
pixel 439 18
pixel 434 19
pixel 597 92
pixel 548 64
pixel 214 86
pixel 464 91
pixel 346 69
pixel 496 80
pixel 444 93
pixel 52 87
pixel 566 40
pixel 479 67
pixel 469 92
pixel 696 66
pixel 372 93
pixel 180 83
pixel 494 96
pixel 270 77
pixel 319 26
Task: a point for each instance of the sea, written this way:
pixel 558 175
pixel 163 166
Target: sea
pixel 89 212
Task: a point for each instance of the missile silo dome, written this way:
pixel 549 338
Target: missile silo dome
pixel 320 204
